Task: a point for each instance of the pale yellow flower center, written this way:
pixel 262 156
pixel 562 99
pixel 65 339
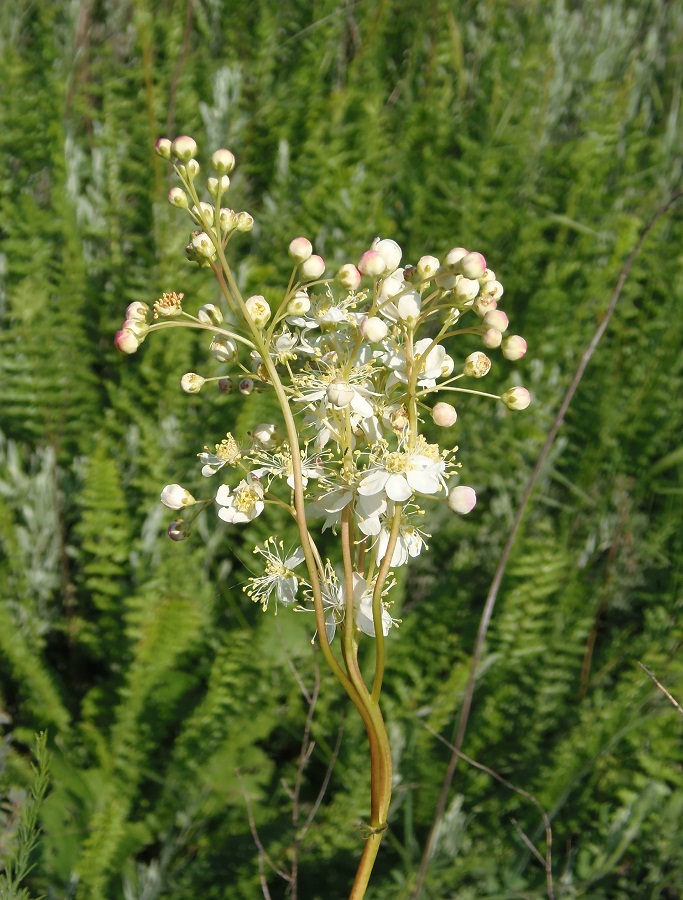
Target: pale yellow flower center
pixel 395 463
pixel 246 499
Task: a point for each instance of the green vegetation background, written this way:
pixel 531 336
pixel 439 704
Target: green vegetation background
pixel 542 134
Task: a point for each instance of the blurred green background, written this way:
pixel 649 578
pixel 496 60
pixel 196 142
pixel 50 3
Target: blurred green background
pixel 544 135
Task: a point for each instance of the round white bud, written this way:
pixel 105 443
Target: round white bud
pixel 447 366
pixel 203 245
pixel 516 398
pixel 299 305
pixel 210 314
pixel 348 277
pixel 223 161
pixel 483 304
pixel 224 349
pixel 492 289
pixel 126 340
pixel 409 307
pixel 300 249
pixel 496 318
pixel 373 329
pixel 462 499
pixel 203 213
pixel 137 311
pixel 454 256
pixel 244 221
pixel 427 266
pixel 466 288
pixel 488 276
pixel 258 309
pixel 477 364
pixel 217 185
pixel 492 338
pixel 163 148
pixel 184 148
pixel 372 264
pixel 446 278
pixel 313 267
pixel 514 347
pixel 444 415
pixel 390 252
pixel 176 497
pixel 340 393
pixel 192 383
pixel 473 265
pixel 178 198
pixel 227 218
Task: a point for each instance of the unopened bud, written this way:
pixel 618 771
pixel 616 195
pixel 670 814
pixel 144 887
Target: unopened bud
pixel 514 347
pixel 184 148
pixel 492 338
pixel 177 197
pixel 178 531
pixel 192 168
pixel 446 278
pixel 427 266
pixel 496 318
pixel 477 364
pixel 226 385
pixel 244 221
pixel 203 245
pixel 453 258
pixel 473 265
pixel 176 497
pixel 126 341
pixel 516 398
pixel 390 252
pixel 492 289
pixel 340 393
pixel 247 386
pixel 224 349
pixel 312 268
pixel 202 214
pixel 217 186
pixel 409 307
pixel 210 314
pixel 466 289
pixel 374 329
pixel 300 249
pixel 137 311
pixel 444 415
pixel 163 148
pixel 192 383
pixel 227 219
pixel 348 277
pixel 258 309
pixel 462 499
pixel 223 162
pixel 299 305
pixel 372 264
pixel 483 304
pixel 488 276
pixel 447 366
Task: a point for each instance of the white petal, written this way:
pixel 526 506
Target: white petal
pixel 361 406
pixel 398 488
pixel 373 482
pixel 295 559
pixel 222 494
pixel 286 589
pixel 423 482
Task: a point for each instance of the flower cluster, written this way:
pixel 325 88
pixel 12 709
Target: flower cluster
pixel 355 360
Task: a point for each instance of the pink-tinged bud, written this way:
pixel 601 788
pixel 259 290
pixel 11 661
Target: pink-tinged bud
pixel 514 347
pixel 483 304
pixel 466 289
pixel 312 268
pixel 427 266
pixel 348 277
pixel 259 310
pixel 454 256
pixel 209 314
pixel 137 311
pixel 373 329
pixel 488 276
pixel 247 386
pixel 390 252
pixel 163 148
pixel 176 497
pixel 178 198
pixel 224 349
pixel 192 383
pixel 496 318
pixel 477 364
pixel 473 265
pixel 444 415
pixel 300 249
pixel 462 499
pixel 178 531
pixel 222 162
pixel 225 385
pixel 516 398
pixel 371 264
pixel 184 148
pixel 491 338
pixel 126 341
pixel 244 221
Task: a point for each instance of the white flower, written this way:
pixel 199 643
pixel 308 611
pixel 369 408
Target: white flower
pixel 334 600
pixel 258 309
pixel 367 509
pixel 278 576
pixel 228 451
pixel 400 473
pixel 409 543
pixel 279 465
pixel 362 603
pixel 176 497
pixel 241 505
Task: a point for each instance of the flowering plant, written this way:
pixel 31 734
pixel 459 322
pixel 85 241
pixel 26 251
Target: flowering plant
pixel 354 362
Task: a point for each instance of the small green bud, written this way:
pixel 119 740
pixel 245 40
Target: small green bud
pixel 163 148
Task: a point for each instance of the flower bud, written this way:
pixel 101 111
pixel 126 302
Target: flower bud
pixel 247 386
pixel 227 219
pixel 176 497
pixel 447 366
pixel 514 347
pixel 163 148
pixel 300 249
pixel 126 341
pixel 312 268
pixel 348 277
pixel 138 328
pixel 453 258
pixel 339 393
pixel 444 415
pixel 372 264
pixel 203 245
pixel 168 305
pixel 487 277
pixel 203 213
pixel 258 309
pixel 178 531
pixel 399 420
pixel 473 265
pixel 409 307
pixel 492 338
pixel 224 349
pixel 462 499
pixel 445 278
pixel 390 252
pixel 299 305
pixel 192 383
pixel 217 185
pixel 137 311
pixel 427 266
pixel 477 364
pixel 184 148
pixel 223 162
pixel 373 329
pixel 192 168
pixel 210 314
pixel 483 304
pixel 244 221
pixel 466 289
pixel 265 435
pixel 492 289
pixel 226 385
pixel 496 318
pixel 178 198
pixel 516 398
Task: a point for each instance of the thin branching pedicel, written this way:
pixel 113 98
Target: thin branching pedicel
pixel 356 362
